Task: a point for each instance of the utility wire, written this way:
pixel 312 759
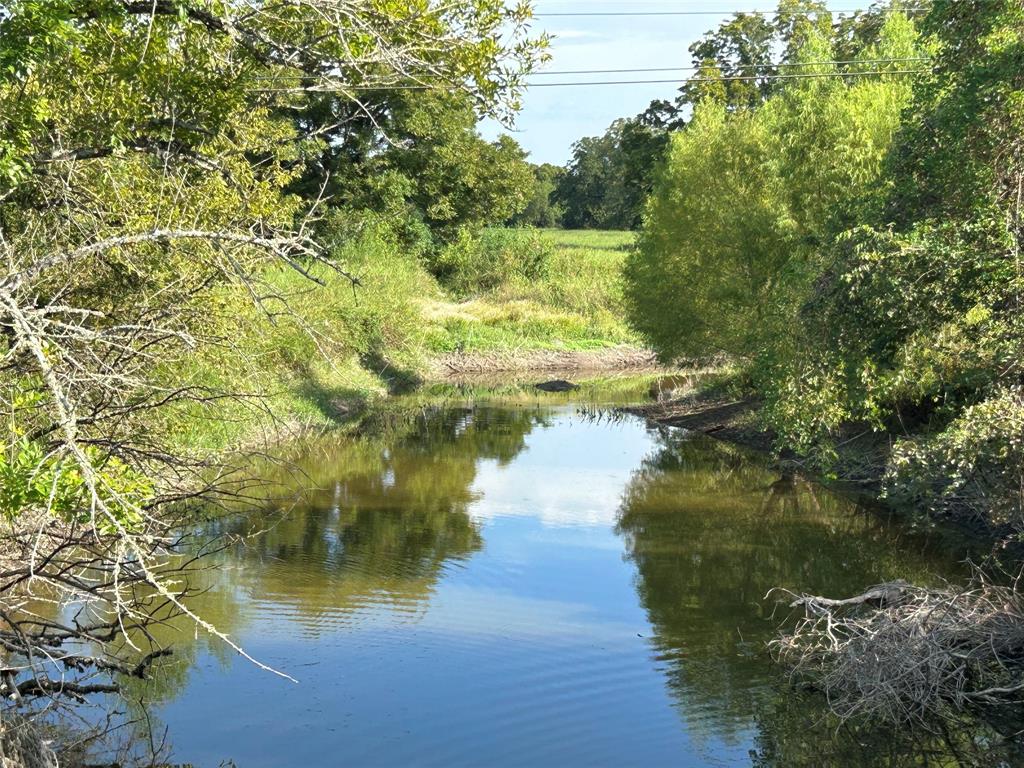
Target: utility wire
pixel 725 78
pixel 753 66
pixel 548 14
pixel 736 78
pixel 695 68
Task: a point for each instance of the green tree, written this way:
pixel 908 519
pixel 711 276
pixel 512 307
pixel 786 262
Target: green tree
pixel 729 250
pixel 540 211
pixel 609 176
pixel 147 159
pixel 417 158
pixel 920 311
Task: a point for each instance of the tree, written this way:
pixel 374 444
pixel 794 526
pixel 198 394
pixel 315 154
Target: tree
pixel 147 153
pixel 729 249
pixel 418 157
pixel 540 211
pixel 606 182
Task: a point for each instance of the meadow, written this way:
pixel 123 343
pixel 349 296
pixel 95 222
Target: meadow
pixel 336 348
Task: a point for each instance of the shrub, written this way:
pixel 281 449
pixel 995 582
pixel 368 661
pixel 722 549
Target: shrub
pixel 973 470
pixel 479 262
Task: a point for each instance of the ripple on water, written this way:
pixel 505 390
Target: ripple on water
pixel 517 587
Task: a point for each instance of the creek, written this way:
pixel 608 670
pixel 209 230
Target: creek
pixel 526 583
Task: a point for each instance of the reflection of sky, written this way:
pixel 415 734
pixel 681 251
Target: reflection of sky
pixel 534 651
pixel 571 474
pixel 532 654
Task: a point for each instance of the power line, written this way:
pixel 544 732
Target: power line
pixel 751 66
pixel 725 78
pixel 694 68
pixel 548 14
pixel 736 78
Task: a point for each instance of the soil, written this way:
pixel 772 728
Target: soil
pixel 610 359
pixel 722 418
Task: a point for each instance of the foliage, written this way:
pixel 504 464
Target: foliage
pixel 540 210
pixel 425 167
pixel 609 176
pixel 921 308
pixel 857 243
pixel 474 263
pixel 689 287
pixel 972 470
pixel 576 304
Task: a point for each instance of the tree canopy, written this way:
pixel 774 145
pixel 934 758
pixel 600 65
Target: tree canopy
pixel 159 162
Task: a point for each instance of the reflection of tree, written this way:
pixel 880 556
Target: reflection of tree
pixel 711 531
pixel 355 521
pixel 378 519
pixel 793 733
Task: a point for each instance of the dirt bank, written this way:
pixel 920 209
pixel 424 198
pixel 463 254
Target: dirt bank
pixel 720 417
pixel 620 358
pixel 862 454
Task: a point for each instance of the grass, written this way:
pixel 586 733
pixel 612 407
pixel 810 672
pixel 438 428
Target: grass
pixel 576 304
pixel 352 348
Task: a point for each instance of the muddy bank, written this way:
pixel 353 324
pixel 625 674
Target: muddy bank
pixel 622 358
pixel 720 417
pixel 861 454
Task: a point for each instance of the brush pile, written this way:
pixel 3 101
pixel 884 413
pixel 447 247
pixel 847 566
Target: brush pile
pixel 904 654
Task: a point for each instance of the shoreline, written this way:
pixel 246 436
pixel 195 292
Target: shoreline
pixel 722 418
pixel 859 470
pixel 611 359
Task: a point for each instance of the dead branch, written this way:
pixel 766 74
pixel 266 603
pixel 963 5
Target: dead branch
pixel 901 653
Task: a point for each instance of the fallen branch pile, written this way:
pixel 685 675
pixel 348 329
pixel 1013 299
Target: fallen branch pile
pixel 900 653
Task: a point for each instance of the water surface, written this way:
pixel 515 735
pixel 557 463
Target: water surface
pixel 524 586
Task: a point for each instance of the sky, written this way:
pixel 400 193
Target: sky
pixel 553 118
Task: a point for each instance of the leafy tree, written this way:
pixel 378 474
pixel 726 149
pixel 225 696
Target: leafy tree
pixel 417 158
pixel 540 211
pixel 728 251
pixel 921 309
pixel 739 48
pixel 148 156
pixel 606 182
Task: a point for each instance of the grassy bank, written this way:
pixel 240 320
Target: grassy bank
pixel 331 349
pixel 574 302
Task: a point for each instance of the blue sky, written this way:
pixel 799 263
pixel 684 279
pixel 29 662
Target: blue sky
pixel 553 118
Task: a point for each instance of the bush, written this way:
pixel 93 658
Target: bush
pixel 479 262
pixel 973 470
pixel 329 348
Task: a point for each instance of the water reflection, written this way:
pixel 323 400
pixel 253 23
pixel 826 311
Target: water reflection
pixel 712 529
pixel 375 523
pixel 514 586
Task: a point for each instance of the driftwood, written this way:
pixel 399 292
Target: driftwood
pixel 878 597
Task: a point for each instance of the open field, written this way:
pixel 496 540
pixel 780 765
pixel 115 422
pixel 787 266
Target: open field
pixel 575 306
pixel 401 327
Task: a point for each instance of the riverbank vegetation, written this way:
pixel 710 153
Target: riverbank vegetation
pixel 510 299
pixel 854 243
pixel 851 238
pixel 221 219
pixel 177 181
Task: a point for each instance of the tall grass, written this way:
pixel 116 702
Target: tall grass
pixel 329 350
pixel 572 301
pixel 321 355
